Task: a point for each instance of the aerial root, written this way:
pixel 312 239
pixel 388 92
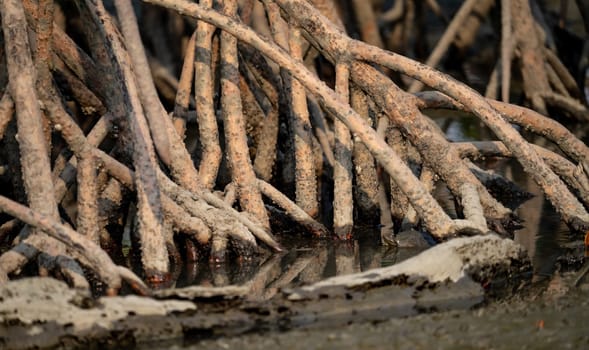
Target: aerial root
pixel 82 248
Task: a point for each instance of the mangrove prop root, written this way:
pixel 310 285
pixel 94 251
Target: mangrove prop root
pixel 275 104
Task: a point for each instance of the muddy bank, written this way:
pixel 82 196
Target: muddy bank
pixel 546 322
pixel 42 312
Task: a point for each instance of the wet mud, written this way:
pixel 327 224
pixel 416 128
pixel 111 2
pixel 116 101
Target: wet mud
pixel 45 313
pixel 543 322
